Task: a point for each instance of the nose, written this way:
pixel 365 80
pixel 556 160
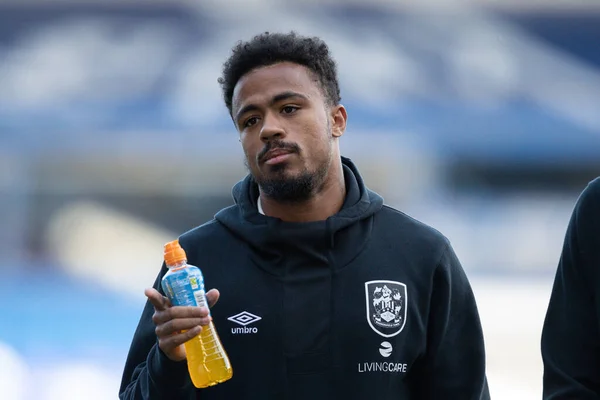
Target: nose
pixel 271 128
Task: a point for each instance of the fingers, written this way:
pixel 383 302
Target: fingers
pixel 159 301
pixel 178 312
pixel 177 325
pixel 182 324
pixel 170 343
pixel 212 296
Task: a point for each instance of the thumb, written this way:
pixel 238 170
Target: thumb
pixel 212 296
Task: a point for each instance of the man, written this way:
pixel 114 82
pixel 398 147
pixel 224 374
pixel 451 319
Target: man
pixel 327 293
pixel 571 332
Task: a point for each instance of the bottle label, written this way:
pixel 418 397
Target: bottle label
pixel 185 287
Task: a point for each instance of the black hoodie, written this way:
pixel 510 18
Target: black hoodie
pixel 571 332
pixel 369 303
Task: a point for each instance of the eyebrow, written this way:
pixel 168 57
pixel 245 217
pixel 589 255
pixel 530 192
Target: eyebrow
pixel 277 98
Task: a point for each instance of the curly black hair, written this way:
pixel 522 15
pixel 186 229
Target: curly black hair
pixel 272 48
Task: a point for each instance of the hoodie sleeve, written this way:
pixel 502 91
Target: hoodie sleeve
pixel 570 342
pixel 454 364
pixel 149 374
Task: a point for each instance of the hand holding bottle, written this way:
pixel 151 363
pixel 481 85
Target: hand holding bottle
pixel 176 325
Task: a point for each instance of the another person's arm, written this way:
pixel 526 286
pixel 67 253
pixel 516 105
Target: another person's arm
pixel 571 336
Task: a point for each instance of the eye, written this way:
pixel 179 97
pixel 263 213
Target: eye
pixel 250 121
pixel 289 109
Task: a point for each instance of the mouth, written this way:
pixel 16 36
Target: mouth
pixel 276 156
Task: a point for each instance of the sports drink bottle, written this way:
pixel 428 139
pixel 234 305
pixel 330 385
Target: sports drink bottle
pixel 183 284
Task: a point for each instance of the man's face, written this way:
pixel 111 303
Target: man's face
pixel 286 129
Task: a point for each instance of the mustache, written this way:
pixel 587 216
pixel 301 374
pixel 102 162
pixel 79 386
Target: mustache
pixel 278 145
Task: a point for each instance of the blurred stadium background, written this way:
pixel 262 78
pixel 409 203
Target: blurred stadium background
pixel 479 118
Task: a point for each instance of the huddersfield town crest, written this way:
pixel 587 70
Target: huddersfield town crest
pixel 386 306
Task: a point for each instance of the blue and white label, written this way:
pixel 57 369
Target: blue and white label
pixel 185 287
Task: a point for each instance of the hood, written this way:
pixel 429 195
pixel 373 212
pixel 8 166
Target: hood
pixel 280 247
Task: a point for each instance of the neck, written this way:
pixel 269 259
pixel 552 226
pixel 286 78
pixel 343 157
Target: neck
pixel 328 201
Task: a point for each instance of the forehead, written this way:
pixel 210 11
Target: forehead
pixel 261 84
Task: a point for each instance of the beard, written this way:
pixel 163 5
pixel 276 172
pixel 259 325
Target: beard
pixel 283 187
pixel 292 189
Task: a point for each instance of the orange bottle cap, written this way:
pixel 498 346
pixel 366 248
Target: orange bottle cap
pixel 174 253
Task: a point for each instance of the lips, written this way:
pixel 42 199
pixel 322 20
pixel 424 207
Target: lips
pixel 275 154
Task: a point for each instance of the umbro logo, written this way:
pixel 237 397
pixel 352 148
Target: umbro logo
pixel 244 318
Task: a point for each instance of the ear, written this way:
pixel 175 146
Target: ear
pixel 338 120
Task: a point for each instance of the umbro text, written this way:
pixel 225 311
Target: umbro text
pixel 244 330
